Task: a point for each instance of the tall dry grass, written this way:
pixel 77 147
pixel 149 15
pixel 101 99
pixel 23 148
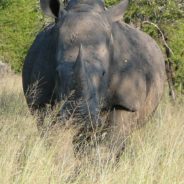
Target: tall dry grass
pixel 154 154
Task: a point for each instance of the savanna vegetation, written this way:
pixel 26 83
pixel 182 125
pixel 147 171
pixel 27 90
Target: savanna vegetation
pixel 154 153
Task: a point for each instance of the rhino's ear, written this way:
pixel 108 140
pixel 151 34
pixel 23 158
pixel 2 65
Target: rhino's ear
pixel 116 12
pixel 50 7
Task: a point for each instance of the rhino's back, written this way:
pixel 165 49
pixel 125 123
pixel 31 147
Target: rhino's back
pixel 39 68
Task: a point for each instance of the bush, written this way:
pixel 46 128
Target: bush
pixel 20 21
pixel 111 2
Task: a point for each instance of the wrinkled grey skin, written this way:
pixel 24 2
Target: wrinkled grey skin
pixel 98 63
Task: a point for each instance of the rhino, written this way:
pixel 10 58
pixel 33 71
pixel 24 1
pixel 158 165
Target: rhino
pixel 100 64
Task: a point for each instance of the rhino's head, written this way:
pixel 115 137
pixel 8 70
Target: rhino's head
pixel 84 50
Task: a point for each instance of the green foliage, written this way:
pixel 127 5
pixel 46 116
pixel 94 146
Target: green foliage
pixel 20 21
pixel 175 34
pixel 155 10
pixel 111 2
pixel 4 3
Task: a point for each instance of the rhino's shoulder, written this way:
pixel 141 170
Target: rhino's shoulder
pixel 135 42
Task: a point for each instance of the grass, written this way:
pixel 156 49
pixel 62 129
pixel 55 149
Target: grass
pixel 154 154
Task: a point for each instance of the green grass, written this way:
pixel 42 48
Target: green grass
pixel 20 21
pixel 154 154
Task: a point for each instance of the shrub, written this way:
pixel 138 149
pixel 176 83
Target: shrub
pixel 20 21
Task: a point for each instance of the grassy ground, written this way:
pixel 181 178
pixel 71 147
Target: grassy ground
pixel 154 155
